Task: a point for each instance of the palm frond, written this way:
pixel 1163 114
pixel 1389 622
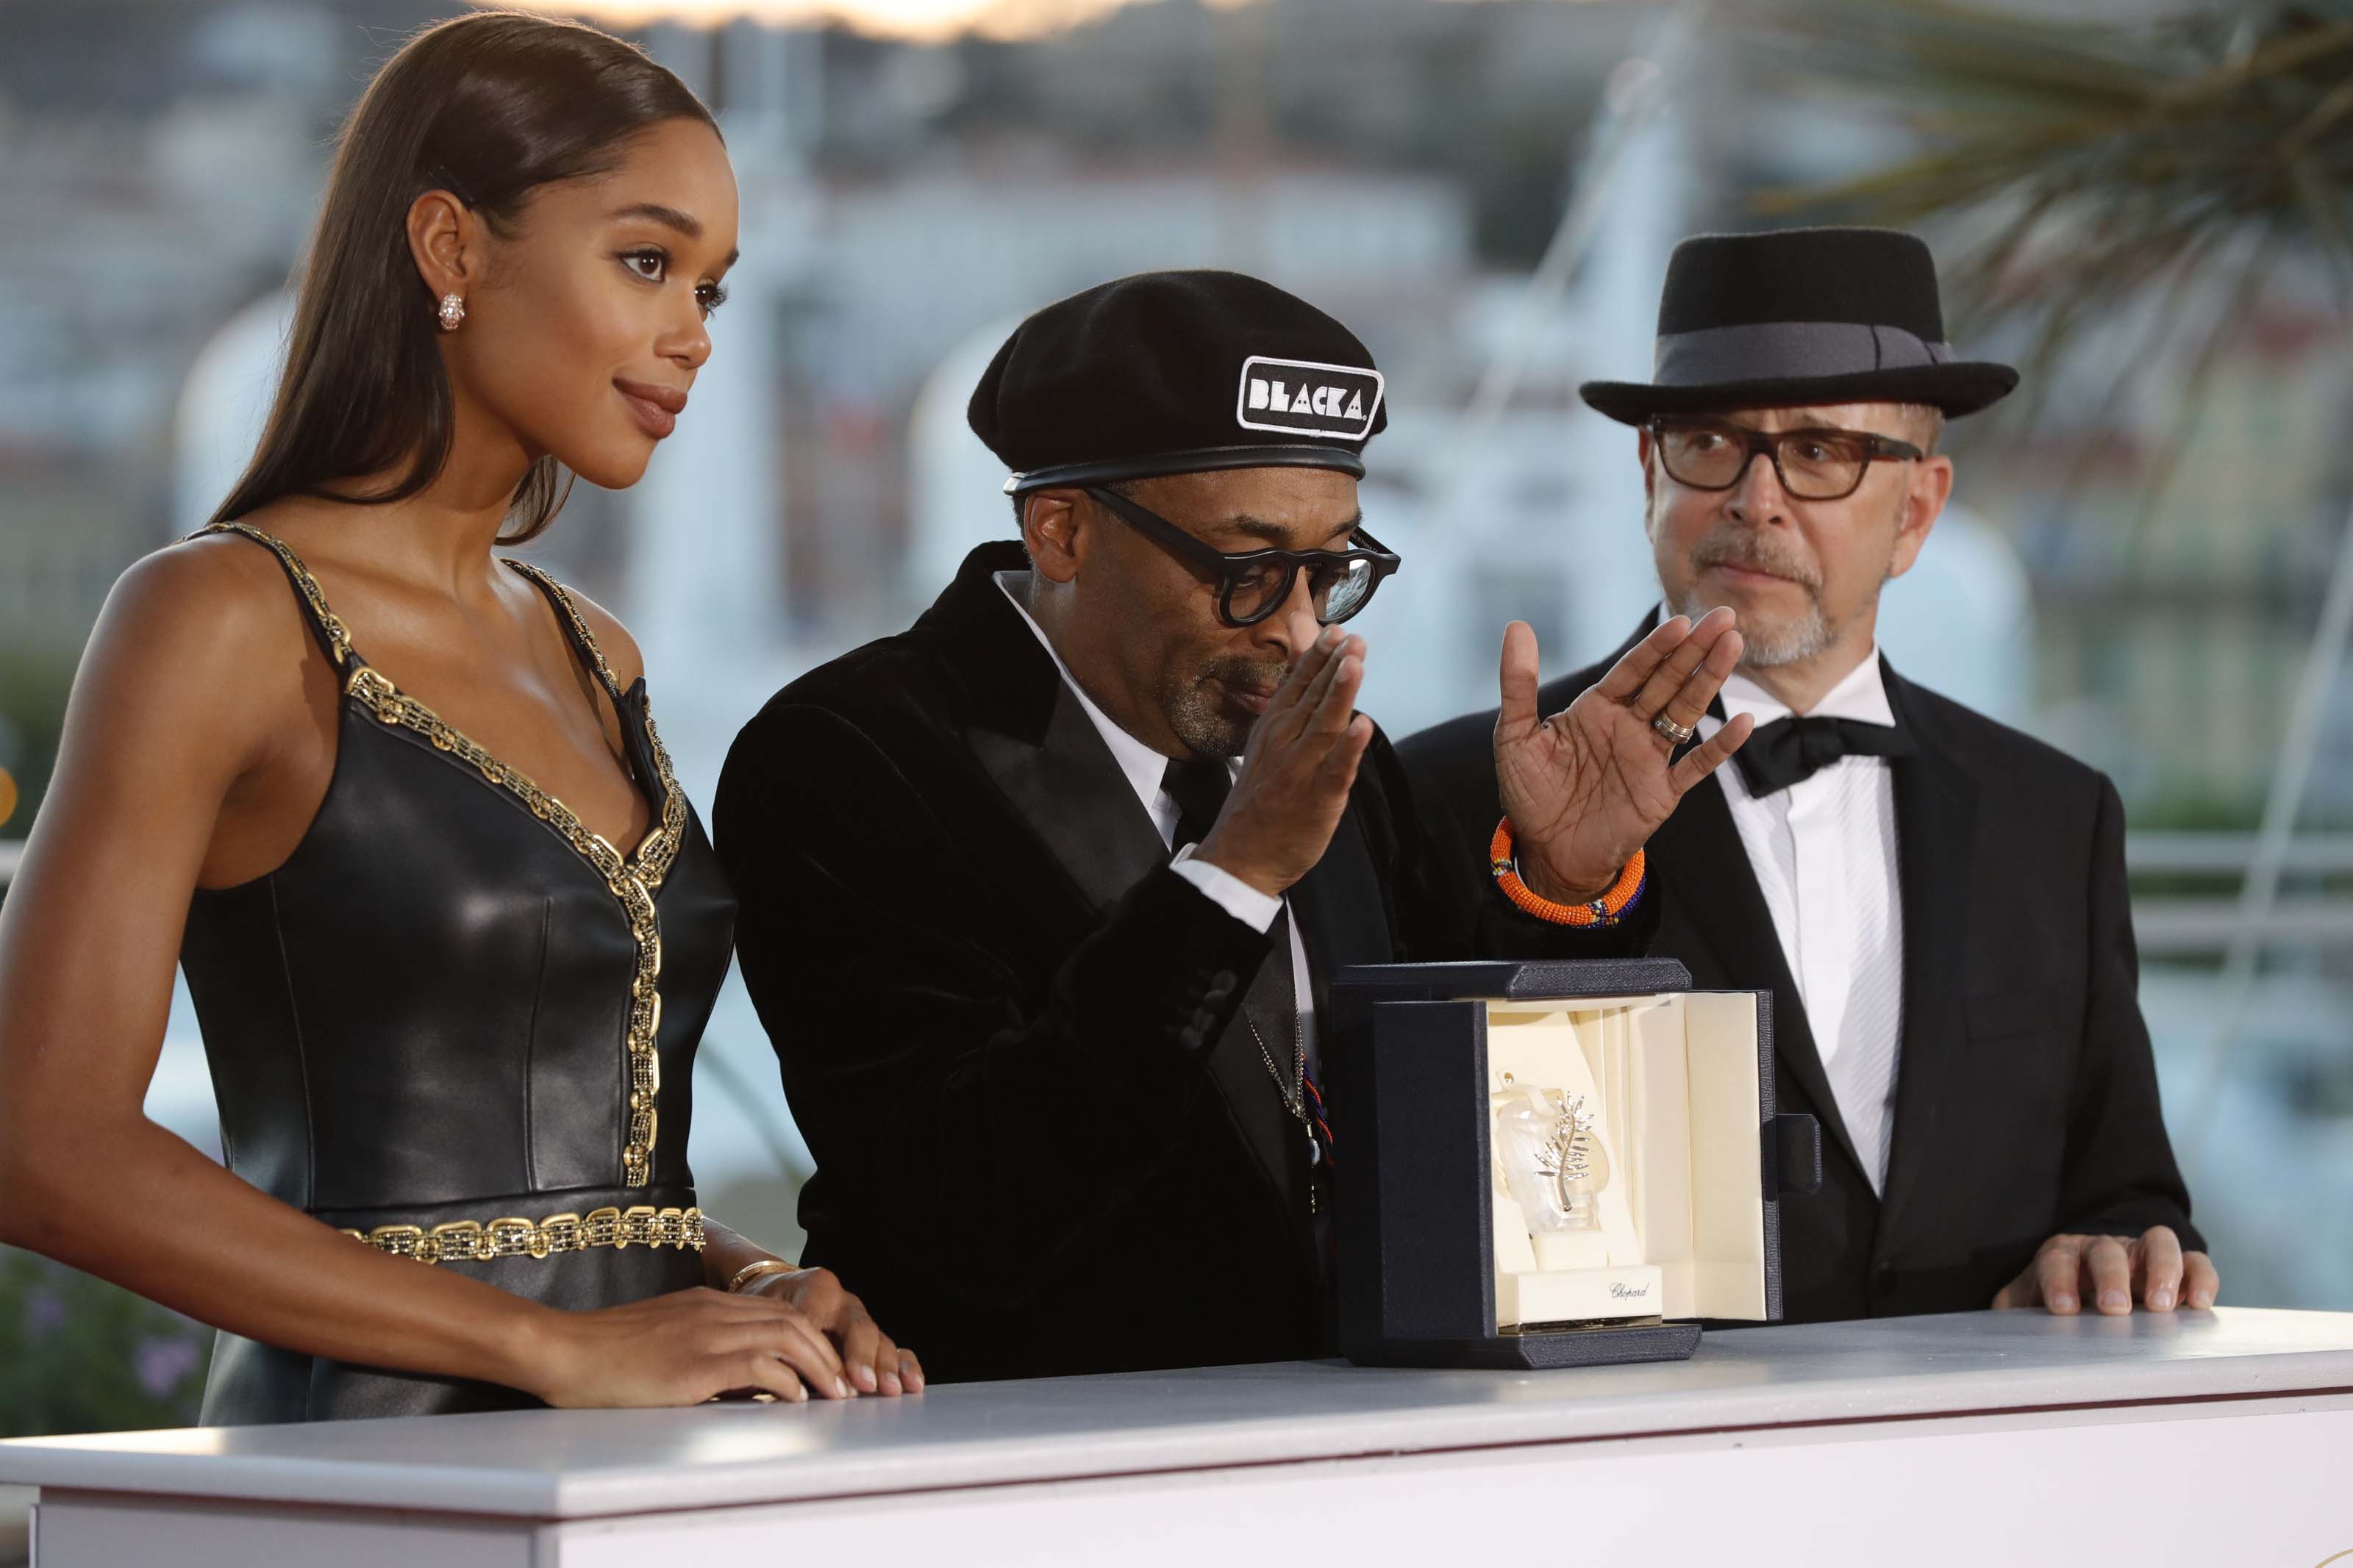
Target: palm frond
pixel 2158 173
pixel 2109 156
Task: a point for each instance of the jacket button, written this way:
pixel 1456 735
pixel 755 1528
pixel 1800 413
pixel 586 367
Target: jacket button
pixel 1203 1021
pixel 1226 981
pixel 1190 1038
pixel 1882 1278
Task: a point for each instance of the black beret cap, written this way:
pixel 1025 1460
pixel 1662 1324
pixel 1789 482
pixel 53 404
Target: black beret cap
pixel 1171 373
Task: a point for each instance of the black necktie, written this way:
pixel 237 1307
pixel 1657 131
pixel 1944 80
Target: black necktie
pixel 1789 750
pixel 1199 787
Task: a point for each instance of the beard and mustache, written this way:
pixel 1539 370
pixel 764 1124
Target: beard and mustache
pixel 1197 710
pixel 1764 641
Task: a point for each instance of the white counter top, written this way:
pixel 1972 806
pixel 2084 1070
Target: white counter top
pixel 556 1465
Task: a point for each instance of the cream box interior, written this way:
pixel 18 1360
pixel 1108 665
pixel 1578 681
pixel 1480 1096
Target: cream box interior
pixel 1666 1160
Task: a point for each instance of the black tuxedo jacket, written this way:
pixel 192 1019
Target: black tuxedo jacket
pixel 1045 1142
pixel 2026 1098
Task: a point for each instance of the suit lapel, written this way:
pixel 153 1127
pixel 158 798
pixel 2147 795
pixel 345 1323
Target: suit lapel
pixel 1034 740
pixel 1342 914
pixel 1254 1102
pixel 1069 790
pixel 1935 828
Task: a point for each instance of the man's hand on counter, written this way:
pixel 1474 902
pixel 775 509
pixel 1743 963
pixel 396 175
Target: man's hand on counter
pixel 2113 1273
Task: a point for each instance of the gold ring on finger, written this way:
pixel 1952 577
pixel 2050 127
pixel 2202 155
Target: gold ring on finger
pixel 1680 734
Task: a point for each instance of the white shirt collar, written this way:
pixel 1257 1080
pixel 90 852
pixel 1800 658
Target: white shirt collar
pixel 1142 764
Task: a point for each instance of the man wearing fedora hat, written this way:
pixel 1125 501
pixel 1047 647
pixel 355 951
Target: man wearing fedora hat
pixel 1937 902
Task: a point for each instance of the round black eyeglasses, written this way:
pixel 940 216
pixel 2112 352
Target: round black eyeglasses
pixel 1254 584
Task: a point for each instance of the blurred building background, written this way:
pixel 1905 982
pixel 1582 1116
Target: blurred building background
pixel 1486 190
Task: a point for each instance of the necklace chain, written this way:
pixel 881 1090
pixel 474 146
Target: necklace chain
pixel 1294 1097
pixel 1294 1094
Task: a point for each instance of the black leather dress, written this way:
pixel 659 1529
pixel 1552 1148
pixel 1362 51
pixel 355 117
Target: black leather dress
pixel 460 1026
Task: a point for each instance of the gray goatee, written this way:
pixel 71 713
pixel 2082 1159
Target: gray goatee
pixel 1764 644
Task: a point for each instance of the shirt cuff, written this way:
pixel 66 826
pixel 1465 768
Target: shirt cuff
pixel 1228 892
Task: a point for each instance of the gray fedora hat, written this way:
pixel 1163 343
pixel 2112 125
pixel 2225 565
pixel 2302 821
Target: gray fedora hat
pixel 1801 316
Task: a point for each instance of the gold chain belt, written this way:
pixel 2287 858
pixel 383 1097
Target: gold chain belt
pixel 468 1239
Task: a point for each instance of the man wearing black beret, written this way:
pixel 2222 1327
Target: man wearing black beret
pixel 1039 897
pixel 1937 902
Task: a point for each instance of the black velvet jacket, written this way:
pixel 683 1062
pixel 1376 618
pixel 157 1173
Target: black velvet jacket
pixel 1010 1034
pixel 2026 1096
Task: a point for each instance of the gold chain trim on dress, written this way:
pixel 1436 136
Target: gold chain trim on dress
pixel 658 848
pixel 656 854
pixel 392 706
pixel 563 597
pixel 471 1240
pixel 339 639
pixel 631 885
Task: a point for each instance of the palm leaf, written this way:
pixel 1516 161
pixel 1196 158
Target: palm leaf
pixel 2135 138
pixel 2096 169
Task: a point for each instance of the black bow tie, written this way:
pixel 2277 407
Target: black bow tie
pixel 1789 750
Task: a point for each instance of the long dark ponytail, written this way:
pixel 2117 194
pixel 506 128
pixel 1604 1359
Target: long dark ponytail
pixel 487 107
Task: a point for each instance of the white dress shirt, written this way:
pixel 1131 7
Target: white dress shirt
pixel 1144 769
pixel 1824 852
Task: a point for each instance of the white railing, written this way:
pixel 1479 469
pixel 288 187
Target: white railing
pixel 2176 925
pixel 2222 854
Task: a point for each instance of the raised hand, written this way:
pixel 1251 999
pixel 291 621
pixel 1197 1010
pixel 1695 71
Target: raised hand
pixel 1298 768
pixel 2113 1272
pixel 1586 788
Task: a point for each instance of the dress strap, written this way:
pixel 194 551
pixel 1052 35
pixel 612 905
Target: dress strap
pixel 326 623
pixel 649 760
pixel 575 625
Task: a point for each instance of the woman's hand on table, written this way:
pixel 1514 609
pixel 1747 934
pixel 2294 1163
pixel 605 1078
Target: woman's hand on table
pixel 2113 1273
pixel 871 1359
pixel 691 1345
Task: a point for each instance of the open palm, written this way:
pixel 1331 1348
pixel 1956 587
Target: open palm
pixel 1586 788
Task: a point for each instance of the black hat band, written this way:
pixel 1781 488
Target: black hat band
pixel 1205 459
pixel 1787 350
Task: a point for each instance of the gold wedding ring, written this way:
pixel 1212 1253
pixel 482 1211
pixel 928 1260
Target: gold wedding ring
pixel 1679 733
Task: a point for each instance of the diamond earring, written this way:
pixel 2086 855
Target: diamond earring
pixel 453 311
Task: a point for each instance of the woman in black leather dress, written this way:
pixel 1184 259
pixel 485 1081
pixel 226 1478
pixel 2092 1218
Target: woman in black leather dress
pixel 398 806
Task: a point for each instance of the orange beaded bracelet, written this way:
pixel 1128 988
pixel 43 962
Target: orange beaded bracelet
pixel 1604 911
